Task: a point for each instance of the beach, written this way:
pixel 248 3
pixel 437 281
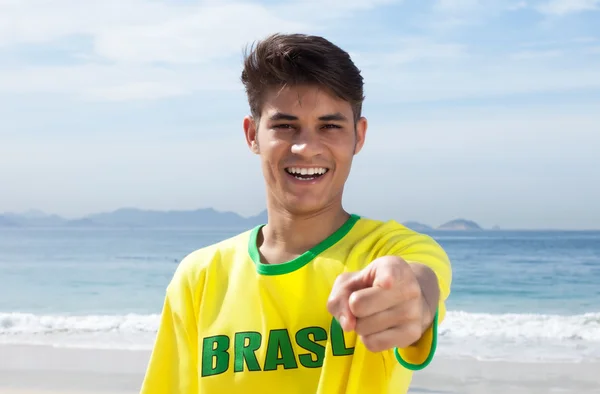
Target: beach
pixel 79 310
pixel 26 369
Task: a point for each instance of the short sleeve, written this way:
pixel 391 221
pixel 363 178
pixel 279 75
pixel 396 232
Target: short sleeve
pixel 172 367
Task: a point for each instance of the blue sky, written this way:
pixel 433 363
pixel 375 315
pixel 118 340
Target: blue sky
pixel 487 110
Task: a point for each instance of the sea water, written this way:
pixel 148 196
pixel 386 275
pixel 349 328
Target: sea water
pixel 524 296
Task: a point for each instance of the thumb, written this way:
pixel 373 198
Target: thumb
pixel 338 303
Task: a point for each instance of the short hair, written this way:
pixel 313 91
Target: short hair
pixel 282 60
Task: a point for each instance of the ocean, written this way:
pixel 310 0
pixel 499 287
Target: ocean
pixel 521 296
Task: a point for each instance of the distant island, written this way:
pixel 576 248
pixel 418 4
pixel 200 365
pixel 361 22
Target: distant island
pixel 417 226
pixel 453 225
pixel 460 224
pixel 199 218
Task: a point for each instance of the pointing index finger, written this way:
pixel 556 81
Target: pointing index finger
pixel 338 303
pixel 387 271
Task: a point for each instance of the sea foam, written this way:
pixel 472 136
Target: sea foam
pixel 515 337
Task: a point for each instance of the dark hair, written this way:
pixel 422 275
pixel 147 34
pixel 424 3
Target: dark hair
pixel 292 59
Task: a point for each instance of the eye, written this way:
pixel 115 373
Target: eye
pixel 331 126
pixel 283 126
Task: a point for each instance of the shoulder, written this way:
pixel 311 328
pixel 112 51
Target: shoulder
pixel 192 268
pixel 390 230
pixel 379 238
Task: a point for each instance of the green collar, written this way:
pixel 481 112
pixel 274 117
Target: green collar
pixel 304 258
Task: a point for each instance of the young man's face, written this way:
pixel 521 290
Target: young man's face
pixel 306 139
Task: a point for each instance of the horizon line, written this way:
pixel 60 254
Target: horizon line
pixel 84 216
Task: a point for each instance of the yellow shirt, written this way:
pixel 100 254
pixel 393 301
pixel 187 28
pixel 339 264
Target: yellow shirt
pixel 231 324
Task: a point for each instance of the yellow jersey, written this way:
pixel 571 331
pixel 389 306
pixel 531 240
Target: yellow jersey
pixel 232 324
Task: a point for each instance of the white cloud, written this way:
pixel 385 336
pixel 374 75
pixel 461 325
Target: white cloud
pixel 456 14
pixel 40 21
pixel 197 37
pixel 517 6
pixel 156 25
pixel 564 7
pixel 333 7
pixel 157 49
pixel 119 82
pixel 143 31
pixel 404 51
pixel 568 42
pixel 485 6
pixel 595 50
pixel 143 49
pixel 456 5
pixel 415 70
pixel 147 90
pixel 526 55
pixel 469 74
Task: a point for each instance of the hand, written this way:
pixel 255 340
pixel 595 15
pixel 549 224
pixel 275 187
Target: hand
pixel 383 303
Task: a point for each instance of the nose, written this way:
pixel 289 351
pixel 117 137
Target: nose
pixel 307 143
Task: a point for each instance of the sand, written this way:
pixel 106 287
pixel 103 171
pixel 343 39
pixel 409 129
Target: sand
pixel 44 369
pixel 47 370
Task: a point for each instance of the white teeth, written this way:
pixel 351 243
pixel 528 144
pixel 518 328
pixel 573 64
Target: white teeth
pixel 306 171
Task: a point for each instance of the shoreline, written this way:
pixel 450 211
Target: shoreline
pixel 40 369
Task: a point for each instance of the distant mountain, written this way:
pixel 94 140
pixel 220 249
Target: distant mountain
pixel 416 226
pixel 133 217
pixel 6 221
pixel 261 218
pixel 460 224
pixel 199 218
pixel 208 217
pixel 31 218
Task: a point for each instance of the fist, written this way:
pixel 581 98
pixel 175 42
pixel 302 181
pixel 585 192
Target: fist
pixel 383 304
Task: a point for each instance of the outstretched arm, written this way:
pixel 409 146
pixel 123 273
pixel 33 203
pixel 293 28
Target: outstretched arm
pixel 397 301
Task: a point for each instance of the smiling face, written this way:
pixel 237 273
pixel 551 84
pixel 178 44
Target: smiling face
pixel 306 139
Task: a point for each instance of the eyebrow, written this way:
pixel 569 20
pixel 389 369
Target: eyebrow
pixel 281 116
pixel 325 118
pixel 333 117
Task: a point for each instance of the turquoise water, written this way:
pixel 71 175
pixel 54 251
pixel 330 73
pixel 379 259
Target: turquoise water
pixel 522 295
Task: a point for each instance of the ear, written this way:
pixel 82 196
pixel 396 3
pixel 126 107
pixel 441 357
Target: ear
pixel 250 131
pixel 361 132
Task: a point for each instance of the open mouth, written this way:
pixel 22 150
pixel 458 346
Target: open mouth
pixel 306 174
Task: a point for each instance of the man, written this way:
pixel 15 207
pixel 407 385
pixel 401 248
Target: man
pixel 318 300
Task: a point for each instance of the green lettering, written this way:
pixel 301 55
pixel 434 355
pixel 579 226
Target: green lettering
pixel 215 358
pixel 246 344
pixel 279 351
pixel 303 340
pixel 338 341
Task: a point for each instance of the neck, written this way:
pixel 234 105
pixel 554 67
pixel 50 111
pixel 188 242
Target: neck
pixel 288 235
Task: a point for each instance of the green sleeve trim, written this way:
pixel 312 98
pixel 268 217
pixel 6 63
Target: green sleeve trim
pixel 432 349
